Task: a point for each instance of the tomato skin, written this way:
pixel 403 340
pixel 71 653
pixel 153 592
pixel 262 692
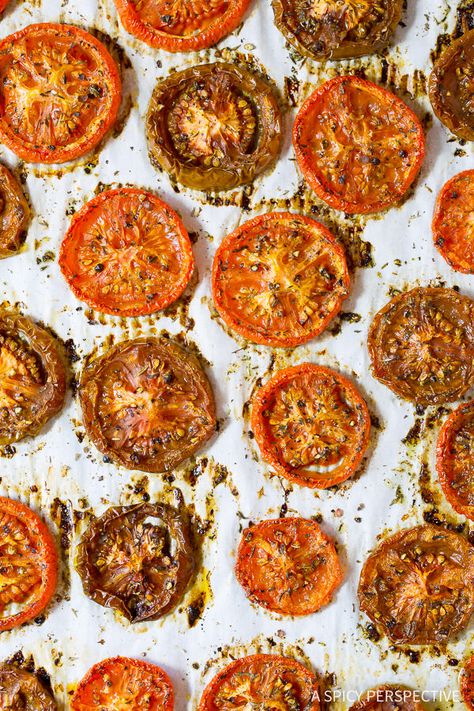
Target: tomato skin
pixel 455 459
pixel 154 692
pixel 14 214
pixel 388 697
pixel 19 689
pixel 453 233
pixel 221 26
pixel 3 4
pixel 326 177
pixel 56 37
pixel 467 683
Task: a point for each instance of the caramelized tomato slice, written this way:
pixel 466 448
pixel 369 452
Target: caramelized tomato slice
pixel 138 560
pixel 359 146
pixel 467 683
pixel 418 585
pixel 59 92
pixel 288 566
pixel 262 681
pixel 127 253
pixel 122 683
pixel 147 404
pixel 311 425
pixel 14 214
pixel 213 127
pixel 453 222
pixel 32 377
pixel 181 25
pixel 388 697
pixel 422 345
pixel 336 29
pixel 455 459
pixel 28 565
pixel 451 87
pixel 279 279
pixel 21 690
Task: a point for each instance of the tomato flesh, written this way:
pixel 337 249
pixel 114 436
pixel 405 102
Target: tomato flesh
pixel 453 222
pixel 388 698
pixel 23 691
pixel 455 459
pixel 14 214
pixel 467 684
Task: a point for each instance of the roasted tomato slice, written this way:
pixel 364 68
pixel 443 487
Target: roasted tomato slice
pixel 467 683
pixel 311 425
pixel 359 146
pixel 288 566
pixel 265 681
pixel 28 565
pixel 418 585
pixel 455 459
pixel 213 127
pixel 14 214
pixel 127 253
pixel 279 279
pixel 422 345
pixel 137 560
pixel 3 4
pixel 21 690
pixel 181 25
pixel 147 404
pixel 336 29
pixel 453 222
pixel 59 92
pixel 32 377
pixel 388 697
pixel 451 87
pixel 123 683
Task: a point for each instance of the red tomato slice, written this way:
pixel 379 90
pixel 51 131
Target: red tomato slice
pixel 453 222
pixel 359 146
pixel 455 459
pixel 467 683
pixel 3 4
pixel 126 252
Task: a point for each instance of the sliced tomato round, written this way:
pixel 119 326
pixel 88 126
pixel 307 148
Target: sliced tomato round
pixel 417 587
pixel 422 345
pixel 3 4
pixel 358 145
pixel 21 690
pixel 137 560
pixel 14 214
pixel 183 25
pixel 147 404
pixel 451 87
pixel 262 681
pixel 453 222
pixel 32 377
pixel 60 91
pixel 127 253
pixel 388 697
pixel 337 29
pixel 214 126
pixel 28 564
pixel 288 566
pixel 279 279
pixel 455 459
pixel 467 683
pixel 123 683
pixel 311 425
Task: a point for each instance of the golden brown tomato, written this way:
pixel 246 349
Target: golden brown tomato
pixel 14 214
pixel 23 691
pixel 388 697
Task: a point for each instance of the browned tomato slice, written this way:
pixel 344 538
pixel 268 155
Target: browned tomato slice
pixel 467 683
pixel 358 145
pixel 451 87
pixel 147 404
pixel 418 585
pixel 455 459
pixel 279 279
pixel 138 560
pixel 32 377
pixel 388 697
pixel 288 566
pixel 335 29
pixel 422 345
pixel 23 691
pixel 14 214
pixel 262 681
pixel 127 252
pixel 311 425
pixel 213 127
pixel 453 222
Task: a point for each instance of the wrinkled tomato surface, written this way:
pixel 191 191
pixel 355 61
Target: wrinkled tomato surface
pixel 358 145
pixel 147 404
pixel 455 459
pixel 418 585
pixel 262 681
pixel 59 92
pixel 214 126
pixel 288 566
pixel 467 683
pixel 137 560
pixel 127 253
pixel 422 345
pixel 14 214
pixel 23 691
pixel 388 697
pixel 453 222
pixel 279 279
pixel 311 425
